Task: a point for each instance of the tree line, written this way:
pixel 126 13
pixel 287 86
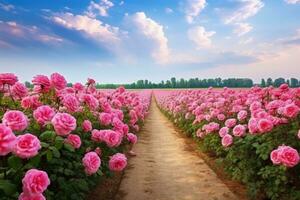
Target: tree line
pixel 198 83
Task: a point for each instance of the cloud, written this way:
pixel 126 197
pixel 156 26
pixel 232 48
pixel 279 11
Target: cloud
pixel 200 37
pixel 7 7
pixel 246 41
pixel 121 3
pixel 246 9
pixel 169 10
pixel 242 29
pixel 90 27
pixel 14 30
pixel 153 32
pixel 292 1
pixel 193 8
pixel 99 9
pixel 291 41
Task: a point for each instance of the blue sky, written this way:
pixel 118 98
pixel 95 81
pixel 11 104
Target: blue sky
pixel 120 41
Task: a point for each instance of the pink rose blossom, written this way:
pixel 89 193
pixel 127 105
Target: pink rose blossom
pixel 98 135
pixel 8 79
pixel 35 182
pixel 16 120
pixel 91 162
pixel 73 140
pixel 86 125
pixel 242 115
pixel 291 110
pixel 43 114
pixel 105 118
pixel 239 130
pixel 112 138
pixel 58 81
pixel 63 123
pixel 26 146
pixel 71 103
pixel 42 83
pixel 31 102
pixel 298 135
pixel 227 140
pixel 223 131
pixel 78 86
pixel 90 101
pixel 264 125
pixel 7 140
pixel 98 151
pixel 285 155
pixel 230 122
pixel 19 90
pixel 26 196
pixel 117 162
pixel 132 138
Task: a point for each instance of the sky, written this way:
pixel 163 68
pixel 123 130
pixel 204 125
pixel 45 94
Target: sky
pixel 121 41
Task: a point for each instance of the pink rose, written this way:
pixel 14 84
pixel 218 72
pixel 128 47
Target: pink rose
pixel 227 140
pixel 43 114
pixel 298 135
pixel 86 126
pixel 63 123
pixel 105 118
pixel 98 151
pixel 26 146
pixel 112 138
pixel 8 78
pixel 71 103
pixel 90 101
pixel 7 140
pixel 285 155
pixel 16 120
pixel 19 90
pixel 242 115
pixel 239 130
pixel 132 138
pixel 291 110
pixel 264 125
pixel 35 182
pixel 25 196
pixel 31 102
pixel 73 140
pixel 223 131
pixel 78 86
pixel 253 125
pixel 98 135
pixel 42 83
pixel 117 162
pixel 91 162
pixel 58 81
pixel 221 117
pixel 230 122
pixel 90 81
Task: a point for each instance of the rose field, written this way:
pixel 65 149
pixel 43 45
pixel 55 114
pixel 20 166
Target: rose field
pixel 60 142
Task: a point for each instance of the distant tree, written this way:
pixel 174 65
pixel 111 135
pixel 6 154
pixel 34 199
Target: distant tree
pixel 294 82
pixel 269 82
pixel 278 82
pixel 263 83
pixel 28 84
pixel 71 84
pixel 173 82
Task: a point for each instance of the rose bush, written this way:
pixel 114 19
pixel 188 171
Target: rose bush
pixel 253 132
pixel 57 142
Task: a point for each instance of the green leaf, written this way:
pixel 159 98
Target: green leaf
pixel 55 152
pixel 14 162
pixel 35 161
pixel 69 147
pixel 59 141
pixel 49 155
pixel 44 144
pixel 47 135
pixel 7 187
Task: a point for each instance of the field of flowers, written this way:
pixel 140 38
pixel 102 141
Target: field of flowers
pixel 254 133
pixel 56 142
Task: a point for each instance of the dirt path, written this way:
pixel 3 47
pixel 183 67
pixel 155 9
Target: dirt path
pixel 165 169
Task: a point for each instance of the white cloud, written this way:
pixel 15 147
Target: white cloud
pixel 247 8
pixel 246 41
pixel 93 28
pixel 121 3
pixel 169 10
pixel 242 29
pixel 292 1
pixel 200 36
pixel 32 33
pixel 99 9
pixel 7 7
pixel 193 9
pixel 153 32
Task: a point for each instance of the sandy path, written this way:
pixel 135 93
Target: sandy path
pixel 165 169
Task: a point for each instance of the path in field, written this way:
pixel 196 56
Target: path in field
pixel 165 169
